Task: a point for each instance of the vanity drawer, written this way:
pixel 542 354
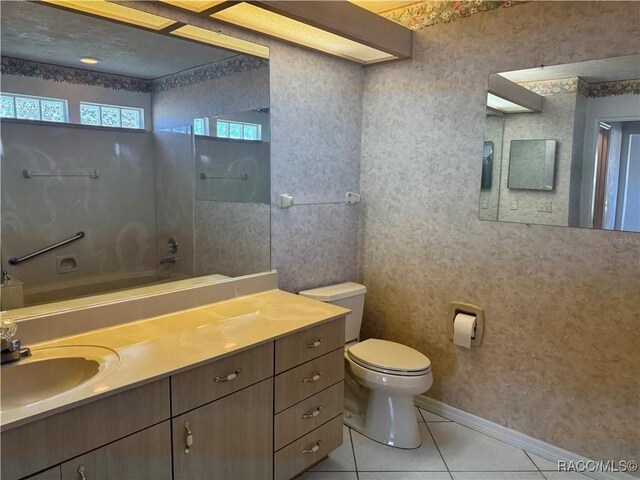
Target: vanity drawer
pixel 308 379
pixel 55 439
pixel 215 380
pixel 145 455
pixel 310 449
pixel 307 415
pixel 309 344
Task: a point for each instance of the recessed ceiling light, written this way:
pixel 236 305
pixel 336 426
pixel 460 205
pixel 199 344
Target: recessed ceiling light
pixel 90 60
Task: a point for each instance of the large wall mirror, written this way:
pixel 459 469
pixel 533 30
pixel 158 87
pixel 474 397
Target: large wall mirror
pixel 564 145
pixel 141 157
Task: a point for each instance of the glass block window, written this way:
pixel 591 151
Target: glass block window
pixel 201 126
pixel 111 115
pixel 238 130
pixel 29 107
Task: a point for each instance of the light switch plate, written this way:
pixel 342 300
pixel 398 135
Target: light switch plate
pixel 514 204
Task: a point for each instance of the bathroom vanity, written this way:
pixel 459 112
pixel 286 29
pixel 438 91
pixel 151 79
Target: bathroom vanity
pixel 248 388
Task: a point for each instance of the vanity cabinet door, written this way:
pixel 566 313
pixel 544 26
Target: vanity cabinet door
pixel 145 455
pixel 231 438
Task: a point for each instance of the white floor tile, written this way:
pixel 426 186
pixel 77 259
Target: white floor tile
pixel 497 476
pixel 341 459
pixel 543 463
pixel 564 476
pixel 404 476
pixel 375 457
pixel 467 450
pixel 432 417
pixel 329 476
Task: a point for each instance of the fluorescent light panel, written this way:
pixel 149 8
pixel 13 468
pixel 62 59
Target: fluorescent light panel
pixel 269 23
pixel 220 40
pixel 194 5
pixel 115 11
pixel 503 105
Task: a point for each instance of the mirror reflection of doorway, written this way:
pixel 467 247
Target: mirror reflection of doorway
pixel 617 178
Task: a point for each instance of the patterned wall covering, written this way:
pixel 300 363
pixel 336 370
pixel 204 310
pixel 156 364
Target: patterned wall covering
pixel 428 13
pixel 560 352
pixel 571 85
pixel 76 76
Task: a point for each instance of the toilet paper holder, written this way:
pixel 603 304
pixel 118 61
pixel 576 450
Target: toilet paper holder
pixel 460 307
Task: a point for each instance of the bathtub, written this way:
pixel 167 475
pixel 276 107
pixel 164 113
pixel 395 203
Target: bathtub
pixel 95 285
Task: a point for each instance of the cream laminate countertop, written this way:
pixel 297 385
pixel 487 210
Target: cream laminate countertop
pixel 158 347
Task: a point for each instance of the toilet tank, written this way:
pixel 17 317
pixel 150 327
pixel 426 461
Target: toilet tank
pixel 348 295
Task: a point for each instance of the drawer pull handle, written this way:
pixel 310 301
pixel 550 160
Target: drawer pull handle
pixel 315 344
pixel 315 378
pixel 228 378
pixel 313 449
pixel 81 472
pixel 313 414
pixel 189 439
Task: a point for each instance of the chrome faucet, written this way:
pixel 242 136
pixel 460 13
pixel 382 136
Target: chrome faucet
pixel 168 260
pixel 11 350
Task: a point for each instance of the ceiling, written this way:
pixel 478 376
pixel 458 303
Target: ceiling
pixel 593 71
pixel 45 34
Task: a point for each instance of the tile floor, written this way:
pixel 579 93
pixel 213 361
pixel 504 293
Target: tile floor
pixel 449 451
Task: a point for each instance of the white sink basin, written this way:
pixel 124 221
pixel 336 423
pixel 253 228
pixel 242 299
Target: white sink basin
pixel 50 372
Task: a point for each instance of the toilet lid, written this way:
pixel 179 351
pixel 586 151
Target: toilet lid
pixel 389 356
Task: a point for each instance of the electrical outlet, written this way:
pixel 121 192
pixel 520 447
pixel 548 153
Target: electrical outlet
pixel 514 204
pixel 485 204
pixel 545 206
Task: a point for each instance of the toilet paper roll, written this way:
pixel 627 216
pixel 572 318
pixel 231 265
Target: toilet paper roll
pixel 464 327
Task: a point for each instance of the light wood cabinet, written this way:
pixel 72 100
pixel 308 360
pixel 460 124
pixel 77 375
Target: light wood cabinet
pixel 53 440
pixel 307 415
pixel 198 386
pixel 215 421
pixel 308 344
pixel 51 474
pixel 308 379
pixel 231 438
pixel 308 450
pixel 145 455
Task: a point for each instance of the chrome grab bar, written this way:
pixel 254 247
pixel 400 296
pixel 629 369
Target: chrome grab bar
pixel 30 174
pixel 242 176
pixel 17 260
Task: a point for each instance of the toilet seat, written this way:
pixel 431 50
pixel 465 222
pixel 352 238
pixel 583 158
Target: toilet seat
pixel 389 357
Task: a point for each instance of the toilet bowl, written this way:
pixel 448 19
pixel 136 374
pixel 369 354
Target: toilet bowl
pixel 381 377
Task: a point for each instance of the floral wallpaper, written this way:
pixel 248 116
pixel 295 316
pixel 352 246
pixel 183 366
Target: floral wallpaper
pixel 609 89
pixel 58 73
pixel 571 85
pixel 425 14
pixel 75 76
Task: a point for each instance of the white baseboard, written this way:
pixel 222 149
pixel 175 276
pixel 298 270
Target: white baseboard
pixel 516 439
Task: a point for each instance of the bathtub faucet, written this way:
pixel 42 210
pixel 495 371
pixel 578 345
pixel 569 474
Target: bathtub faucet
pixel 168 260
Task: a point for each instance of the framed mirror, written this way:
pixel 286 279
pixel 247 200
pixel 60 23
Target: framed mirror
pixel 566 145
pixel 106 131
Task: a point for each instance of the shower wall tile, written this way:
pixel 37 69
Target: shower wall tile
pixel 559 356
pixel 174 196
pixel 39 211
pixel 231 238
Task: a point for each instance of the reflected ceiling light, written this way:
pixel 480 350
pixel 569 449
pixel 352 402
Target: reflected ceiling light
pixel 194 5
pixel 90 60
pixel 102 8
pixel 220 40
pixel 503 105
pixel 257 17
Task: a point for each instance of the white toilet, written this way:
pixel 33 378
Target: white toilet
pixel 381 377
